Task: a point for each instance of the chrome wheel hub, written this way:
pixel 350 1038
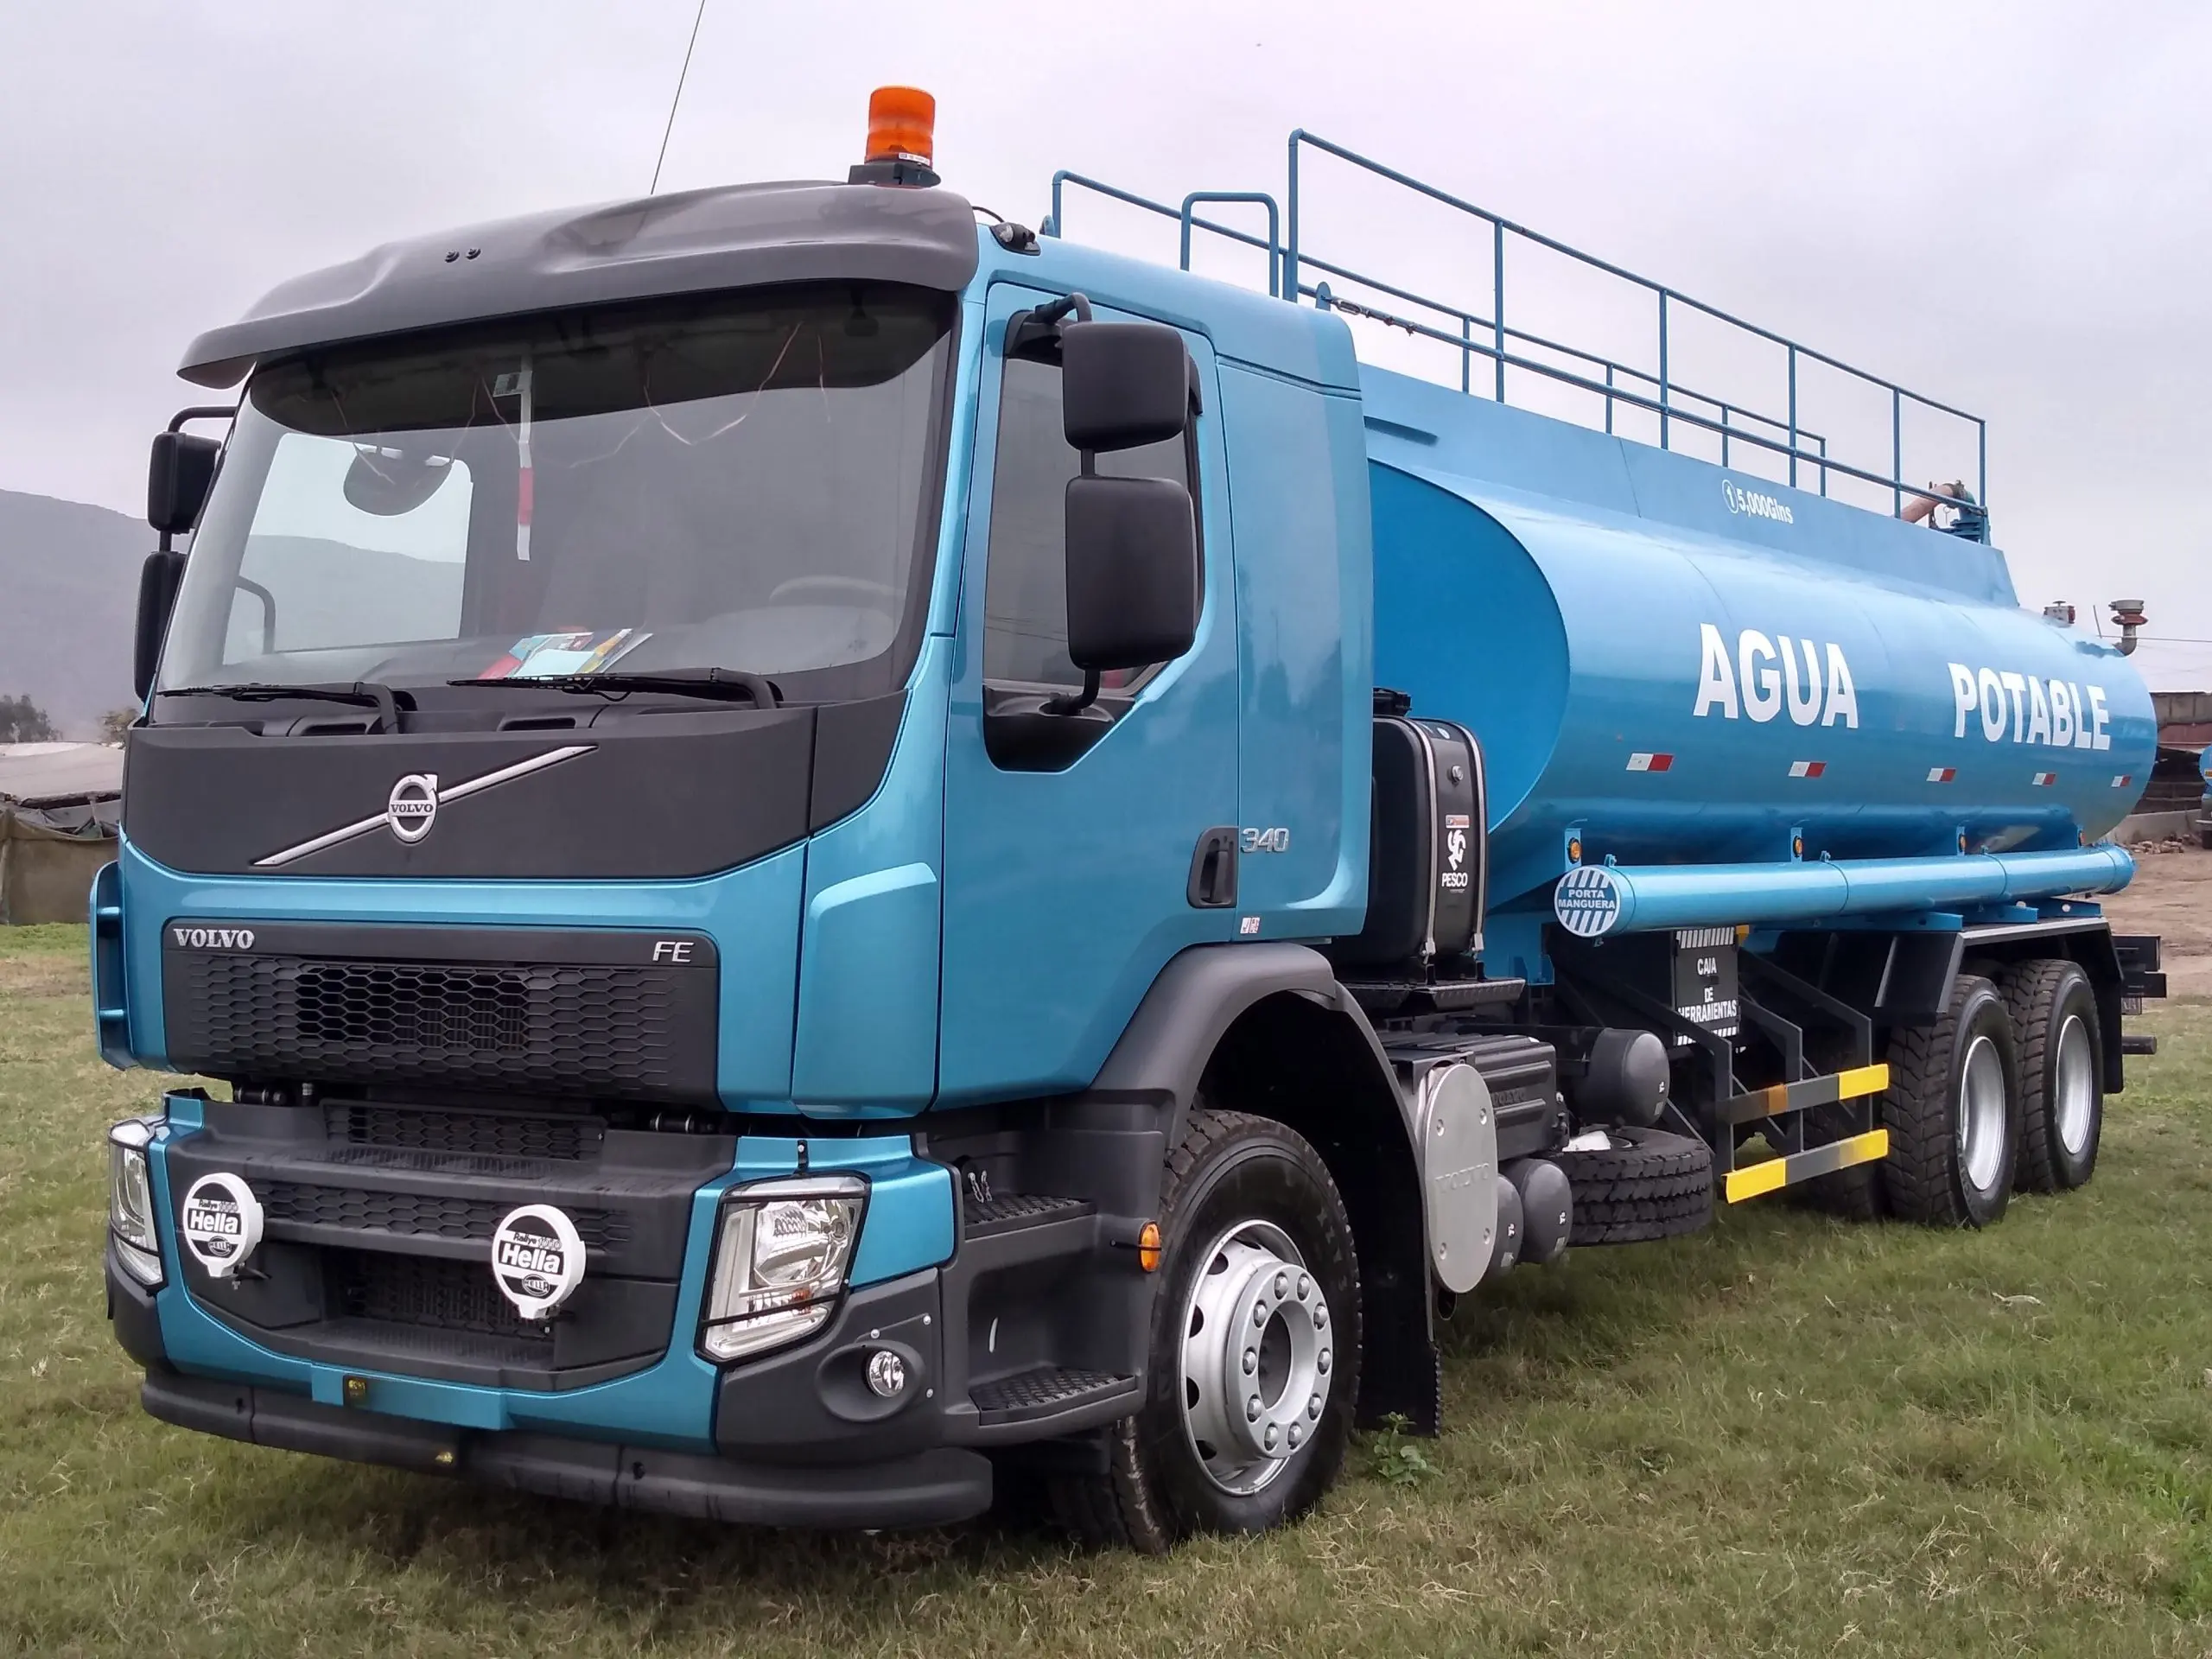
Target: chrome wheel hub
pixel 1257 1357
pixel 2074 1093
pixel 1981 1115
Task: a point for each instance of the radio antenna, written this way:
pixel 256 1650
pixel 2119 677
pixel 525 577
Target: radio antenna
pixel 681 76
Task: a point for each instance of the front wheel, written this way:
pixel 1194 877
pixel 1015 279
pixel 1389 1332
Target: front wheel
pixel 1252 1369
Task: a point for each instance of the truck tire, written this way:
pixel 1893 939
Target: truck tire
pixel 2062 1073
pixel 1647 1184
pixel 1953 1111
pixel 1253 1367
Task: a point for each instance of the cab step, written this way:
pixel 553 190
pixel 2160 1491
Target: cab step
pixel 1045 1391
pixel 1000 1212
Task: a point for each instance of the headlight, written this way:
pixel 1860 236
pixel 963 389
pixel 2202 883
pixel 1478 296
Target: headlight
pixel 130 1201
pixel 781 1252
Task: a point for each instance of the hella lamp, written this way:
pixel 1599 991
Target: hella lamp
pixel 131 1202
pixel 782 1248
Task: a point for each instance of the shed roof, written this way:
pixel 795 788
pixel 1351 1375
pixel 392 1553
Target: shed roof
pixel 40 774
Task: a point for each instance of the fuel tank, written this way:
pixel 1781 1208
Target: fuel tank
pixel 1669 661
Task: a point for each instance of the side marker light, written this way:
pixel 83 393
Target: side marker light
pixel 1148 1247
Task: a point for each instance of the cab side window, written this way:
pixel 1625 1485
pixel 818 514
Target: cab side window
pixel 1025 588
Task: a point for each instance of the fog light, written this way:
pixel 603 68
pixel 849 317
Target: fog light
pixel 886 1374
pixel 131 1202
pixel 781 1253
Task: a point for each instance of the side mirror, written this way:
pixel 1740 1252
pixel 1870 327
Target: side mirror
pixel 1123 385
pixel 158 584
pixel 177 480
pixel 1132 572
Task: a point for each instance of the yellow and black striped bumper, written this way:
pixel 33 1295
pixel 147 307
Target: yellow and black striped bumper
pixel 1773 1173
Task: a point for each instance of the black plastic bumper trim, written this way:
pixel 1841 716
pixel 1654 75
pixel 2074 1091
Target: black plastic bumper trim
pixel 931 1488
pixel 130 1310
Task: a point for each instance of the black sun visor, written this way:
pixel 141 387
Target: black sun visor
pixel 730 237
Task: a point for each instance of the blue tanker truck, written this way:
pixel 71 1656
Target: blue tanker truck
pixel 832 856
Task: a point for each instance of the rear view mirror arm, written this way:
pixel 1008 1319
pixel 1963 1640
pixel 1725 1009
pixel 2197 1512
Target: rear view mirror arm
pixel 268 611
pixel 1081 701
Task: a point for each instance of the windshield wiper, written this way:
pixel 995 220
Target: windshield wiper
pixel 367 694
pixel 722 685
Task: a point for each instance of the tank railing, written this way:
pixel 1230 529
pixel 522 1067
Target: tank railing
pixel 1820 458
pixel 1668 397
pixel 1273 246
pixel 1295 257
pixel 1185 216
pixel 1259 198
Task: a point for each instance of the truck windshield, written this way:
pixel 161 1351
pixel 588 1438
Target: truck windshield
pixel 727 481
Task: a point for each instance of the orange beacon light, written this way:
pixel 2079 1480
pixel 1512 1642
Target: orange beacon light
pixel 901 138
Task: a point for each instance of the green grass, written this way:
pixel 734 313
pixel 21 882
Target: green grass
pixel 1788 1435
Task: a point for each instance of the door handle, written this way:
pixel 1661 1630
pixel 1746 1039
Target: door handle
pixel 1213 870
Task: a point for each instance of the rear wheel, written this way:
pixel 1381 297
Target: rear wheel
pixel 2062 1073
pixel 1953 1111
pixel 1254 1362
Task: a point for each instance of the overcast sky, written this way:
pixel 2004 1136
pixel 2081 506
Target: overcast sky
pixel 2007 207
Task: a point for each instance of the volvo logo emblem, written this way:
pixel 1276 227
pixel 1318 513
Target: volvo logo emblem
pixel 413 807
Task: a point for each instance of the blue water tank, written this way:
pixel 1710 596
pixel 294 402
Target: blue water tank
pixel 1672 661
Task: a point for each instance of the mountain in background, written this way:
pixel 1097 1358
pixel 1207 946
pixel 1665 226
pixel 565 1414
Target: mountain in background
pixel 68 598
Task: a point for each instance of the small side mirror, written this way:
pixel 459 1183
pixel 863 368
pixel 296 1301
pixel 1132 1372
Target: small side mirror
pixel 158 584
pixel 1123 385
pixel 177 480
pixel 1133 572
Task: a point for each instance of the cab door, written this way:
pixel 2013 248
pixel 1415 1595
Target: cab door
pixel 1070 840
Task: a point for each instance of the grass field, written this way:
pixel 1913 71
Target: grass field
pixel 1788 1435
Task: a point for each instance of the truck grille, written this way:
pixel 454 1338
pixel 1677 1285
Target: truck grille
pixel 624 1030
pixel 377 1253
pixel 466 1011
pixel 425 1291
pixel 469 1135
pixel 411 1215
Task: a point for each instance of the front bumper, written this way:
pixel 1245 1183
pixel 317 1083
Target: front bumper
pixel 926 1489
pixel 792 1437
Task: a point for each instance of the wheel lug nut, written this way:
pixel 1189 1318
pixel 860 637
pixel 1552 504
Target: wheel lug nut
pixel 1251 1361
pixel 1283 1284
pixel 1321 1362
pixel 1322 1315
pixel 1312 1409
pixel 1305 1287
pixel 1259 1313
pixel 1297 1434
pixel 1269 1438
pixel 1252 1410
